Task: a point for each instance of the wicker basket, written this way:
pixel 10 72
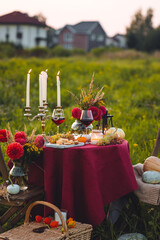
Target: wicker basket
pixel 25 232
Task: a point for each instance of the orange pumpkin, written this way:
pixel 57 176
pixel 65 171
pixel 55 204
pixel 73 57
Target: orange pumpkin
pixel 152 164
pixel 82 139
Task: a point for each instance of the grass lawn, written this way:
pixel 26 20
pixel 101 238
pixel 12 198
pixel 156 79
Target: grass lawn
pixel 132 96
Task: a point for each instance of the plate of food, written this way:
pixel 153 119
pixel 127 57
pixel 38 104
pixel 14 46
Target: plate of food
pixel 63 141
pixel 54 145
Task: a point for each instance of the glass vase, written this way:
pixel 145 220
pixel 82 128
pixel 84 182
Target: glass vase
pixel 18 175
pixel 78 127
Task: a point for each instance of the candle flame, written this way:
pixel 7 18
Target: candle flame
pixel 58 73
pixel 30 71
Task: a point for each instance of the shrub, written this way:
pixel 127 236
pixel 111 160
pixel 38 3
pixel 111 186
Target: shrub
pixel 7 50
pixel 59 51
pixel 78 51
pixel 39 52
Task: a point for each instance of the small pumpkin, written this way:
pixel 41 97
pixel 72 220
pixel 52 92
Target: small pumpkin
pixel 82 139
pixel 152 163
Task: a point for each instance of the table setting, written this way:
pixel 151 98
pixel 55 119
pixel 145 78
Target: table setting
pixel 79 169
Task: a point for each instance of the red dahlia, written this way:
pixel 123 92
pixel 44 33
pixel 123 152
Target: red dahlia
pixel 95 112
pixel 21 141
pixel 39 141
pixel 76 113
pixel 4 135
pixel 100 114
pixel 103 110
pixel 15 150
pixel 20 135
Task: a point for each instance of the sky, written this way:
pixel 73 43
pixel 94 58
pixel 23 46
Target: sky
pixel 113 15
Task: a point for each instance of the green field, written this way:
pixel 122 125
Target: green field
pixel 131 87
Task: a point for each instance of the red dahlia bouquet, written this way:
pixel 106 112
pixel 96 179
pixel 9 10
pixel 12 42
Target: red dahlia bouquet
pixel 92 100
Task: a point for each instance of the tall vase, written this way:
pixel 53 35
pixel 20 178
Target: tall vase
pixel 78 127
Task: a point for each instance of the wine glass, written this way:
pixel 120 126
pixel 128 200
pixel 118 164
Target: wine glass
pixel 86 118
pixel 58 117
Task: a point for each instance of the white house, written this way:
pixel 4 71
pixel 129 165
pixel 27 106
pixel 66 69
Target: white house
pixel 22 30
pixel 117 40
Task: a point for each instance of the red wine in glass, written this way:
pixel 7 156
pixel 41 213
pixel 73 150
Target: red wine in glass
pixel 86 118
pixel 86 122
pixel 58 121
pixel 58 117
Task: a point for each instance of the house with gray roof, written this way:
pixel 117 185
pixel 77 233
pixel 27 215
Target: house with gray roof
pixel 83 35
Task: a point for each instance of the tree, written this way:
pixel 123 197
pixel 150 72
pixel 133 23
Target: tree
pixel 139 29
pixel 153 40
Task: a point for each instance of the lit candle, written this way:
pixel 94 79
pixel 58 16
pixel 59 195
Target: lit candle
pixel 28 89
pixel 44 85
pixel 58 91
pixel 40 91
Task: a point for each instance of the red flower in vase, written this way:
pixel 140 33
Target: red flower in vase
pixel 103 109
pixel 20 135
pixel 95 112
pixel 100 114
pixel 39 141
pixel 15 150
pixel 4 135
pixel 22 141
pixel 76 113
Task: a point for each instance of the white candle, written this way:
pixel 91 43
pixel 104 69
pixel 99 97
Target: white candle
pixel 28 89
pixel 58 91
pixel 40 91
pixel 44 86
pixel 57 218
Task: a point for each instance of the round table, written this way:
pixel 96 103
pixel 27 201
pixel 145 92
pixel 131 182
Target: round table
pixel 84 179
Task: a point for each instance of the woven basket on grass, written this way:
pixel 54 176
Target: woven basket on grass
pixel 24 232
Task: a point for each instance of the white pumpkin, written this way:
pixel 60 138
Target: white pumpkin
pixel 111 130
pixel 13 189
pixel 119 132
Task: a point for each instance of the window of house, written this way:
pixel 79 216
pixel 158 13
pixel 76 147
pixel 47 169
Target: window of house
pixel 68 37
pixel 7 33
pixel 100 38
pixel 7 37
pixel 19 32
pixel 93 37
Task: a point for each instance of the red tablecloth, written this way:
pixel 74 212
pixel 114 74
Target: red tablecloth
pixel 83 180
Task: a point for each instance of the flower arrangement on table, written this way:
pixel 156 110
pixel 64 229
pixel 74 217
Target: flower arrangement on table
pixel 22 149
pixel 91 100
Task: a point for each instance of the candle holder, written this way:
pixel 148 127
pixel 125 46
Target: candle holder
pixel 42 115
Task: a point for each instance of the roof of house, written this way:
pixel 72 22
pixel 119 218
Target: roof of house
pixel 83 27
pixel 20 18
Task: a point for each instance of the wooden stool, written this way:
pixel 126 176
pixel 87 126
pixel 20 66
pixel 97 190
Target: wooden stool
pixel 18 203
